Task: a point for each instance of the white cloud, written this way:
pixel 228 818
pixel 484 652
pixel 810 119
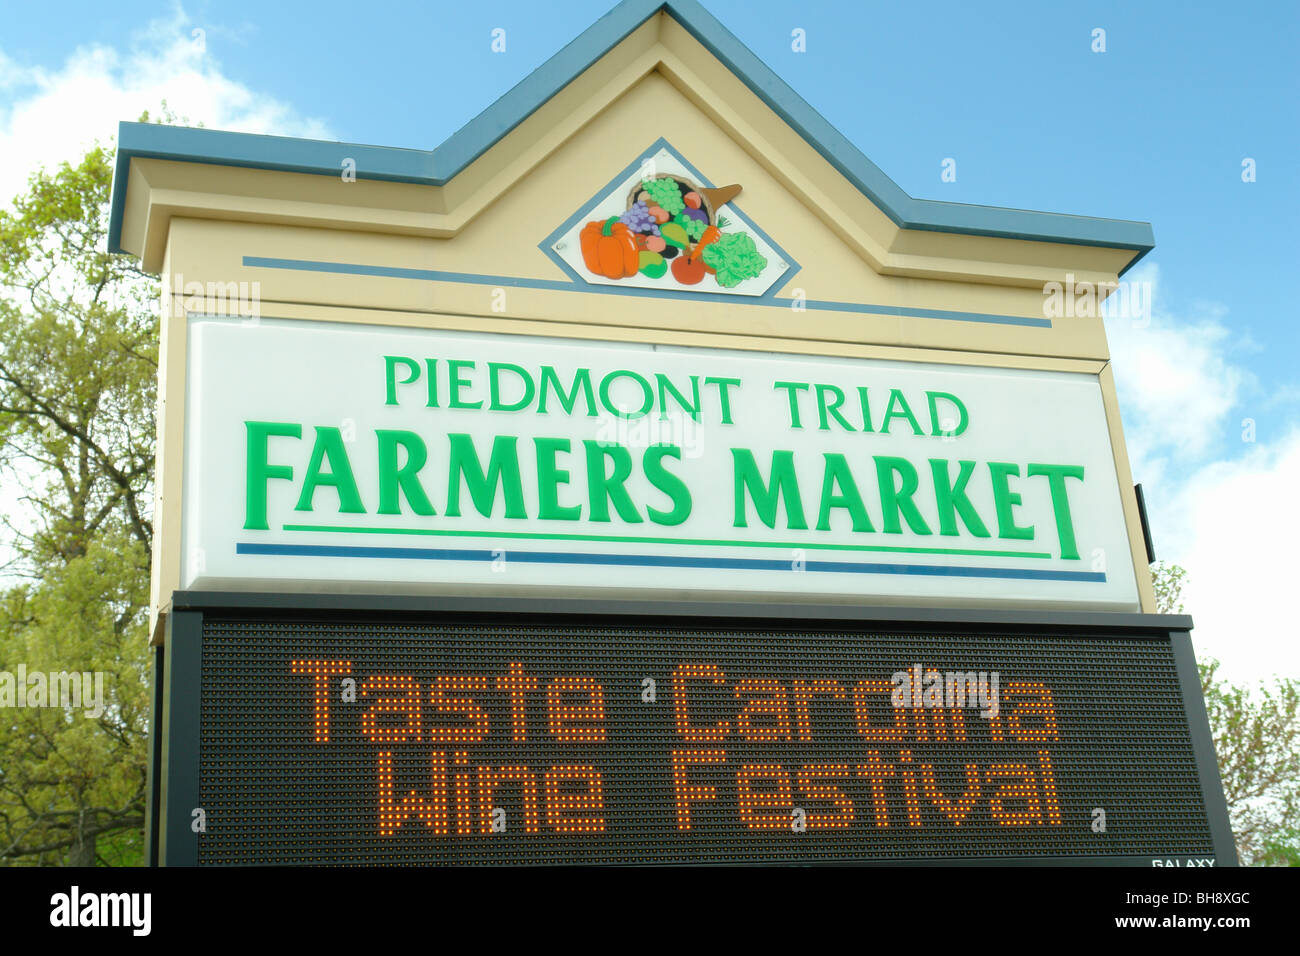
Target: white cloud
pixel 1230 521
pixel 1242 522
pixel 10 75
pixel 1175 377
pixel 48 115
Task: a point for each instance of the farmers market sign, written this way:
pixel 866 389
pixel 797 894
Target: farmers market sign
pixel 417 460
pixel 661 226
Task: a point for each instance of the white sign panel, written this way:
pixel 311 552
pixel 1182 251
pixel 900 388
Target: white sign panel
pixel 356 458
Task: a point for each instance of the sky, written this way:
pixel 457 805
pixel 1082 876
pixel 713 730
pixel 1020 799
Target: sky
pixel 1159 127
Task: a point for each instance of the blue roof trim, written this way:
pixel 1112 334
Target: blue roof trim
pixel 438 166
pixel 533 91
pixel 870 179
pixel 254 151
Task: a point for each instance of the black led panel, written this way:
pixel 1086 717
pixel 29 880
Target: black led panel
pixel 394 739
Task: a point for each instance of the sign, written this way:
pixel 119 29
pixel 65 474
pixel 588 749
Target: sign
pixel 390 460
pixel 434 596
pixel 383 737
pixel 662 228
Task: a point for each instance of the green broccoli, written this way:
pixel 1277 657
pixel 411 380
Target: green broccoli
pixel 735 257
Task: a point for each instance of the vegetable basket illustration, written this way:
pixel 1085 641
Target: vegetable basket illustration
pixel 671 227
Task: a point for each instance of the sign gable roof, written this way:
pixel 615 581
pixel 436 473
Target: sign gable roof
pixel 439 166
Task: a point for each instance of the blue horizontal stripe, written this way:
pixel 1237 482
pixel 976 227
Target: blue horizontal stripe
pixel 560 285
pixel 658 561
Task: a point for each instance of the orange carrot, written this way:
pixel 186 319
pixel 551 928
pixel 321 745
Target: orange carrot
pixel 710 235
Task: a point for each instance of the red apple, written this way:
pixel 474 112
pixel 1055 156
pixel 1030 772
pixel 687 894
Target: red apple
pixel 688 271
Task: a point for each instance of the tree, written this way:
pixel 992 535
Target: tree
pixel 1257 737
pixel 1167 581
pixel 78 372
pixel 1256 733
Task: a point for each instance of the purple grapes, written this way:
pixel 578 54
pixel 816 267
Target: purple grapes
pixel 638 219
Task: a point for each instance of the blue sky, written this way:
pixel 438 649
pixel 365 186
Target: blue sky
pixel 1155 128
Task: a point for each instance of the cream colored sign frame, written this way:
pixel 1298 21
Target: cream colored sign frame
pixel 234 229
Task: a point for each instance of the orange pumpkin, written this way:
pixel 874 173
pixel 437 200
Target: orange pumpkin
pixel 609 248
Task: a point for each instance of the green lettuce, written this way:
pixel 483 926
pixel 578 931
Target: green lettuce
pixel 735 257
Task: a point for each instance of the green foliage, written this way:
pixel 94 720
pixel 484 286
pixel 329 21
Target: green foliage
pixel 1167 580
pixel 1256 733
pixel 78 372
pixel 735 257
pixel 1282 848
pixel 1257 737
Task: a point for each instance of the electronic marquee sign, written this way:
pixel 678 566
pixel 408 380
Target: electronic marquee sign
pixel 538 734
